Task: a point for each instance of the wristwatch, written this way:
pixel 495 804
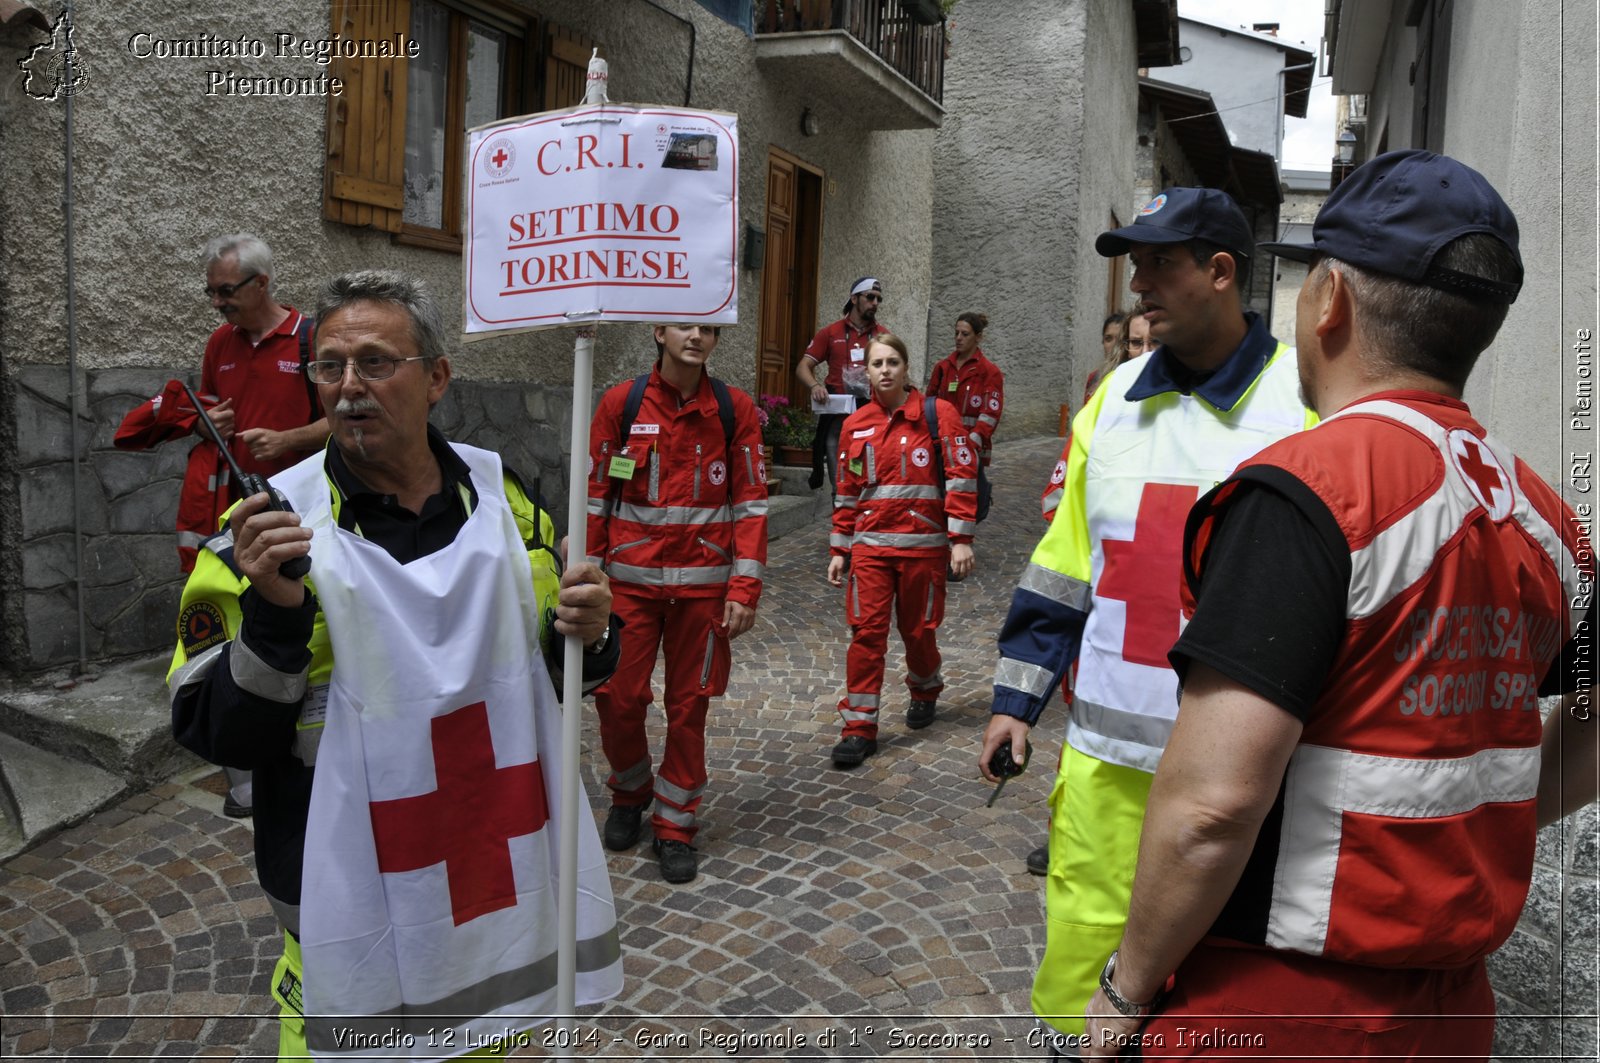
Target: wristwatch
pixel 1125 1007
pixel 600 647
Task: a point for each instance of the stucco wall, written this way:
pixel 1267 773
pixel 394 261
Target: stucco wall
pixel 159 168
pixel 1033 158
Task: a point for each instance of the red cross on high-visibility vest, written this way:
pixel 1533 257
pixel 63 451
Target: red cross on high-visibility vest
pixel 466 822
pixel 499 158
pixel 1144 572
pixel 1486 475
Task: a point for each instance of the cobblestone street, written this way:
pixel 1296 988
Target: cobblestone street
pixel 838 914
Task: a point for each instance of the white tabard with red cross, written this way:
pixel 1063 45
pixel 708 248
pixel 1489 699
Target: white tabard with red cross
pixel 428 914
pixel 1148 461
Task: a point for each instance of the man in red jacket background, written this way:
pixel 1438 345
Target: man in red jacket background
pixel 678 518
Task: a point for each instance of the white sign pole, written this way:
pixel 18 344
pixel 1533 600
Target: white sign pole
pixel 572 694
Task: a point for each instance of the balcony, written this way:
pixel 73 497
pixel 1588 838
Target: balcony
pixel 869 59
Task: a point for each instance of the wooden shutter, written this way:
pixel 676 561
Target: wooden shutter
pixel 566 68
pixel 364 174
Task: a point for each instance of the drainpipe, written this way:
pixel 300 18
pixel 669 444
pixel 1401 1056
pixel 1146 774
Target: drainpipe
pixel 72 358
pixel 688 81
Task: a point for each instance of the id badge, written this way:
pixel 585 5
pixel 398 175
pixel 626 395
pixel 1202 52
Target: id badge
pixel 621 468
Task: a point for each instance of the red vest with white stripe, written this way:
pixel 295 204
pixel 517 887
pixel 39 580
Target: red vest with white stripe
pixel 1405 831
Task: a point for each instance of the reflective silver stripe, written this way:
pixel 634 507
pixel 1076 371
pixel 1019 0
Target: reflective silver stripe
pixel 711 651
pixel 872 465
pixel 632 779
pixel 969 420
pixel 861 701
pixel 1052 501
pixel 745 566
pixel 927 609
pixel 851 716
pixel 756 507
pixel 676 816
pixel 670 577
pixel 597 506
pixel 1020 675
pixel 656 515
pixel 749 467
pixel 929 521
pixel 288 914
pixel 961 527
pixel 211 483
pixel 1322 784
pixel 615 550
pixel 990 421
pixel 841 542
pixel 1072 593
pixel 900 491
pixel 964 484
pixel 194 669
pixel 926 682
pixel 222 542
pixel 901 540
pixel 595 560
pixel 190 539
pixel 255 676
pixel 1121 725
pixel 333 1035
pixel 677 794
pixel 844 502
pixel 855 595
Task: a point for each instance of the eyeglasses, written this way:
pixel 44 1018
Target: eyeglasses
pixel 227 291
pixel 368 367
pixel 872 297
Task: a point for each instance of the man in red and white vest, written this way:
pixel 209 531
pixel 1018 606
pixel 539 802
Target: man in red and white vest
pixel 1342 827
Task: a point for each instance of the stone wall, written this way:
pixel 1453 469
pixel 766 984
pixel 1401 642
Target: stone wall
pixel 128 499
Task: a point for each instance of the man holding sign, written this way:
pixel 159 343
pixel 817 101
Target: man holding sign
pixel 678 515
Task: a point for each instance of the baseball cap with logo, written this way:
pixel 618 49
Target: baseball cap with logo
pixel 1181 214
pixel 1394 214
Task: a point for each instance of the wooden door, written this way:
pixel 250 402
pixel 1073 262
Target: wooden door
pixel 789 272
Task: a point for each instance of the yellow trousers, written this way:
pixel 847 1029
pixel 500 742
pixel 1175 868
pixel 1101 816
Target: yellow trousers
pixel 1096 814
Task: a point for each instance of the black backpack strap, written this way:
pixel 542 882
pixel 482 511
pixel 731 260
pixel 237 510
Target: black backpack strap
pixel 303 330
pixel 630 408
pixel 930 410
pixel 724 409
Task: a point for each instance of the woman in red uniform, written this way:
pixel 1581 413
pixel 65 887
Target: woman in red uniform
pixel 898 528
pixel 971 383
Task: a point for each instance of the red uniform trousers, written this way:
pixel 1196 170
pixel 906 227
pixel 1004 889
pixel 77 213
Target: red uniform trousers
pixel 1237 1001
pixel 697 665
pixel 915 588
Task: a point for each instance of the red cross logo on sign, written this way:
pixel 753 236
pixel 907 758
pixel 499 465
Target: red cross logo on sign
pixel 468 822
pixel 1485 477
pixel 502 153
pixel 1145 571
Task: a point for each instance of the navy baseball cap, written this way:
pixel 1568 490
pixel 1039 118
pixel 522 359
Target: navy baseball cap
pixel 1392 215
pixel 1181 214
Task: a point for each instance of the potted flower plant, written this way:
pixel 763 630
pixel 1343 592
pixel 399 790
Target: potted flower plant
pixel 786 429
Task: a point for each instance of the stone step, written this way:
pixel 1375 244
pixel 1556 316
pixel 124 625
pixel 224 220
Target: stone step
pixel 789 513
pixel 47 793
pixel 115 719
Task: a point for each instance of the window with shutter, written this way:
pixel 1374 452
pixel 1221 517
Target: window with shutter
pixel 397 138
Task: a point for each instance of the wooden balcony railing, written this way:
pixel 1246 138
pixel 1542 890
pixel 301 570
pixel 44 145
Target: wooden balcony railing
pixel 883 26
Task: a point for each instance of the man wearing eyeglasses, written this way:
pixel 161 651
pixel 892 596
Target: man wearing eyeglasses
pixel 837 349
pixel 254 361
pixel 413 677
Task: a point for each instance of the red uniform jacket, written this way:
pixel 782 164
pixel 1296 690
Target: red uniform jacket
pixel 205 496
pixel 889 500
pixel 689 518
pixel 977 390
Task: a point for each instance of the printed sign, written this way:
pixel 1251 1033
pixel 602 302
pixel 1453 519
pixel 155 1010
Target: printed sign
pixel 602 213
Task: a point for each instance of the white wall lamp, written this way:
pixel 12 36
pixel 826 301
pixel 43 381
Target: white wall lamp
pixel 808 123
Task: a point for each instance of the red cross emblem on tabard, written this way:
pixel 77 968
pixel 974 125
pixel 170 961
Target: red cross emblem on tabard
pixel 1144 572
pixel 466 822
